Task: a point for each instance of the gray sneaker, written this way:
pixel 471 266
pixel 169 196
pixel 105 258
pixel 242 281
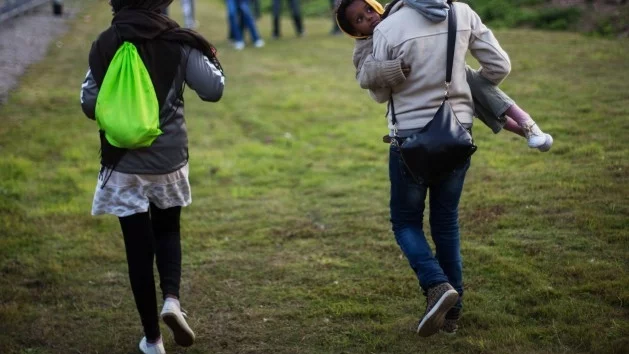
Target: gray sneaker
pixel 439 299
pixel 450 325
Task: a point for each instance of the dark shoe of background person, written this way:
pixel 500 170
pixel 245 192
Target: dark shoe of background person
pixel 439 299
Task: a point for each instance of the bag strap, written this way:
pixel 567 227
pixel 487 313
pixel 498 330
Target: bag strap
pixel 449 62
pixel 451 43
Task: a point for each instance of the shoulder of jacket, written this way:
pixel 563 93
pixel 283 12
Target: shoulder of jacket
pixel 186 49
pixel 463 8
pixel 461 5
pixel 106 35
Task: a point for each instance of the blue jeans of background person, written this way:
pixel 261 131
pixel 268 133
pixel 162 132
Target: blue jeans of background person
pixel 407 211
pixel 296 13
pixel 255 7
pixel 257 12
pixel 233 8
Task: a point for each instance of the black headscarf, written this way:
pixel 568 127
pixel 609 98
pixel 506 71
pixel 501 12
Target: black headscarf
pixel 158 40
pixel 151 5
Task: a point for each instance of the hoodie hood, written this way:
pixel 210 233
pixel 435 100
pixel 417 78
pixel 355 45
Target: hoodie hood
pixel 149 5
pixel 342 24
pixel 434 10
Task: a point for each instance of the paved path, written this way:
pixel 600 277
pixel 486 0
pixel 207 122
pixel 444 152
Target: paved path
pixel 25 40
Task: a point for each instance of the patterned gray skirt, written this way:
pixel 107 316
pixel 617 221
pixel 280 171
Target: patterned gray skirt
pixel 126 194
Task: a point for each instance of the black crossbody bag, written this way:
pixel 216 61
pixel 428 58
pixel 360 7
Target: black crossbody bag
pixel 443 144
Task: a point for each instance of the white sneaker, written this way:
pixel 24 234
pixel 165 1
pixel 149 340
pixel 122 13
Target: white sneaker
pixel 259 43
pixel 239 45
pixel 537 139
pixel 176 322
pixel 547 144
pixel 155 349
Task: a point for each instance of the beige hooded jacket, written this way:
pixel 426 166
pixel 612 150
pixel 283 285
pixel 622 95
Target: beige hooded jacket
pixel 408 36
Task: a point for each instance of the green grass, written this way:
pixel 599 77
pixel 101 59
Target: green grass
pixel 287 245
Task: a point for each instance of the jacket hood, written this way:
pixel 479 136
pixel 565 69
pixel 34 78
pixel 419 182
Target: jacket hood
pixel 434 10
pixel 342 24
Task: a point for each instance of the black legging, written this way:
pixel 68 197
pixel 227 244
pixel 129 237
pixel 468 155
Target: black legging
pixel 147 234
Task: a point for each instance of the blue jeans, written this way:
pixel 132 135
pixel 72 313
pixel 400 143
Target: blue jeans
pixel 407 212
pixel 233 7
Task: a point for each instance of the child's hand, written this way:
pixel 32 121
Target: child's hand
pixel 406 69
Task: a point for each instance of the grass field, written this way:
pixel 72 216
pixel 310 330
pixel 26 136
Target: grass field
pixel 287 245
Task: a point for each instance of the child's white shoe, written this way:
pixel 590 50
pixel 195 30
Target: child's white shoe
pixel 154 349
pixel 536 138
pixel 176 322
pixel 547 144
pixel 259 43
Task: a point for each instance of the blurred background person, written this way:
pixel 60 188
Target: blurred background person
pixel 296 13
pixel 256 12
pixel 187 8
pixel 335 26
pixel 239 16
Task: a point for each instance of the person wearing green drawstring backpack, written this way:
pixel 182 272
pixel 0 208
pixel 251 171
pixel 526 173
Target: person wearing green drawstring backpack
pixel 400 55
pixel 146 187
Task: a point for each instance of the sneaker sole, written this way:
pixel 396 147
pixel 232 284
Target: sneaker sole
pixel 433 321
pixel 181 331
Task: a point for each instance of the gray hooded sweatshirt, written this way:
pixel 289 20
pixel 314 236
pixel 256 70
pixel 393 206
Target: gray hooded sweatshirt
pixel 169 152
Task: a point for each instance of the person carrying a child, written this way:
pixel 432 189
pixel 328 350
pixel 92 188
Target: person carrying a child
pixel 390 63
pixel 492 106
pixel 147 187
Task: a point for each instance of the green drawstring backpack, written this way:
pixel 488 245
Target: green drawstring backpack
pixel 127 109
